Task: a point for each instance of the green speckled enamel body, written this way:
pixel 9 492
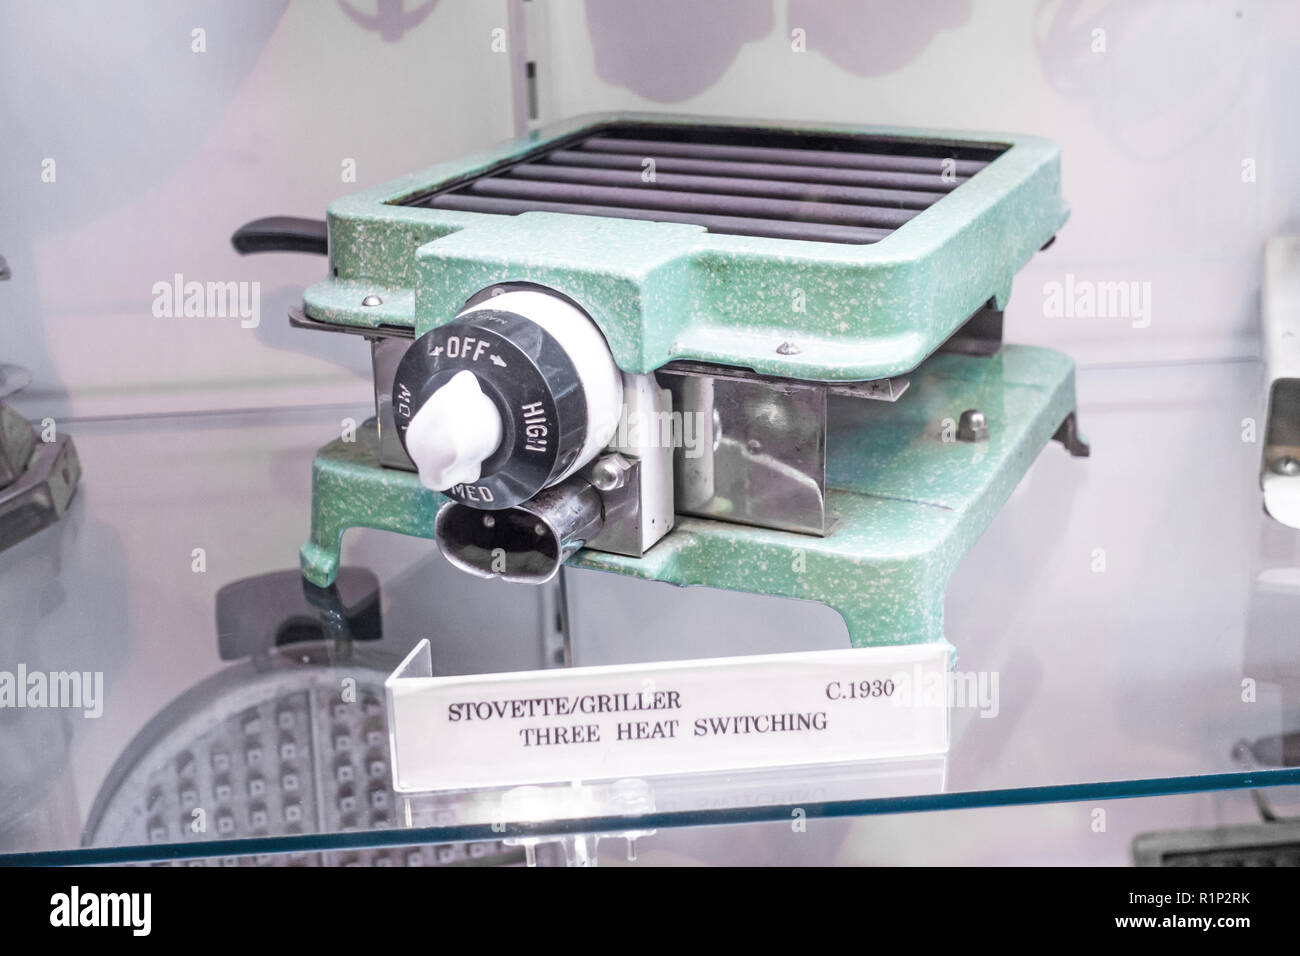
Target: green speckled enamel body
pixel 667 291
pixel 905 505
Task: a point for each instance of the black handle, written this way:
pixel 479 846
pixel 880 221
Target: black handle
pixel 282 234
pixel 267 611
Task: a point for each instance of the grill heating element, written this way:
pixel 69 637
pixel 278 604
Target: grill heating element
pixel 845 189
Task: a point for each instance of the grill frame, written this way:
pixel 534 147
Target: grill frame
pixel 665 291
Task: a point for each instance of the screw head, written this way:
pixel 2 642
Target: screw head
pixel 372 300
pixel 609 473
pixel 1286 465
pixel 972 426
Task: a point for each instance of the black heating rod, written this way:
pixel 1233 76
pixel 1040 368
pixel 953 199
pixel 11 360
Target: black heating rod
pixel 739 226
pixel 687 202
pixel 887 179
pixel 932 165
pixel 777 188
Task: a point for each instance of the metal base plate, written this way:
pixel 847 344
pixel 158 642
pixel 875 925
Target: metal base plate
pixel 905 499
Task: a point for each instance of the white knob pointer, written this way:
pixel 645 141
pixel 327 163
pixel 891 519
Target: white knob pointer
pixel 453 433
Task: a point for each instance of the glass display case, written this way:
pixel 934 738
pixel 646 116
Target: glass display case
pixel 1123 684
pixel 1123 639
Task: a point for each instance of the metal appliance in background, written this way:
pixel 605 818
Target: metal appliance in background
pixel 1279 476
pixel 759 357
pixel 292 739
pixel 1273 840
pixel 37 476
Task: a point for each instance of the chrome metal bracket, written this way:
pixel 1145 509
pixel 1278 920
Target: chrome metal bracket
pixel 1279 475
pixel 755 448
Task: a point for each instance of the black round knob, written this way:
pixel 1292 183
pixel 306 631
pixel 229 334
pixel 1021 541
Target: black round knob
pixel 529 378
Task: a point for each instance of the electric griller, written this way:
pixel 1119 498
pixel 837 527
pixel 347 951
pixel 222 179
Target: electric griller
pixel 760 357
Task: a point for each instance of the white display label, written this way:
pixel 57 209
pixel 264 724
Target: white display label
pixel 599 723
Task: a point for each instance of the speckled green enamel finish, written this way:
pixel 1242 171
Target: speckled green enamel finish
pixel 905 501
pixel 666 291
pixel 350 489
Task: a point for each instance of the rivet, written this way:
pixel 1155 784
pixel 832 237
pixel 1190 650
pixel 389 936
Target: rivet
pixel 372 300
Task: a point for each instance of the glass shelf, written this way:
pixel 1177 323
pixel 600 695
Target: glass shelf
pixel 1136 610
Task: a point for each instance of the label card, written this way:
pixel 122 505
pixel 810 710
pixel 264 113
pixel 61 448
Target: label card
pixel 677 717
